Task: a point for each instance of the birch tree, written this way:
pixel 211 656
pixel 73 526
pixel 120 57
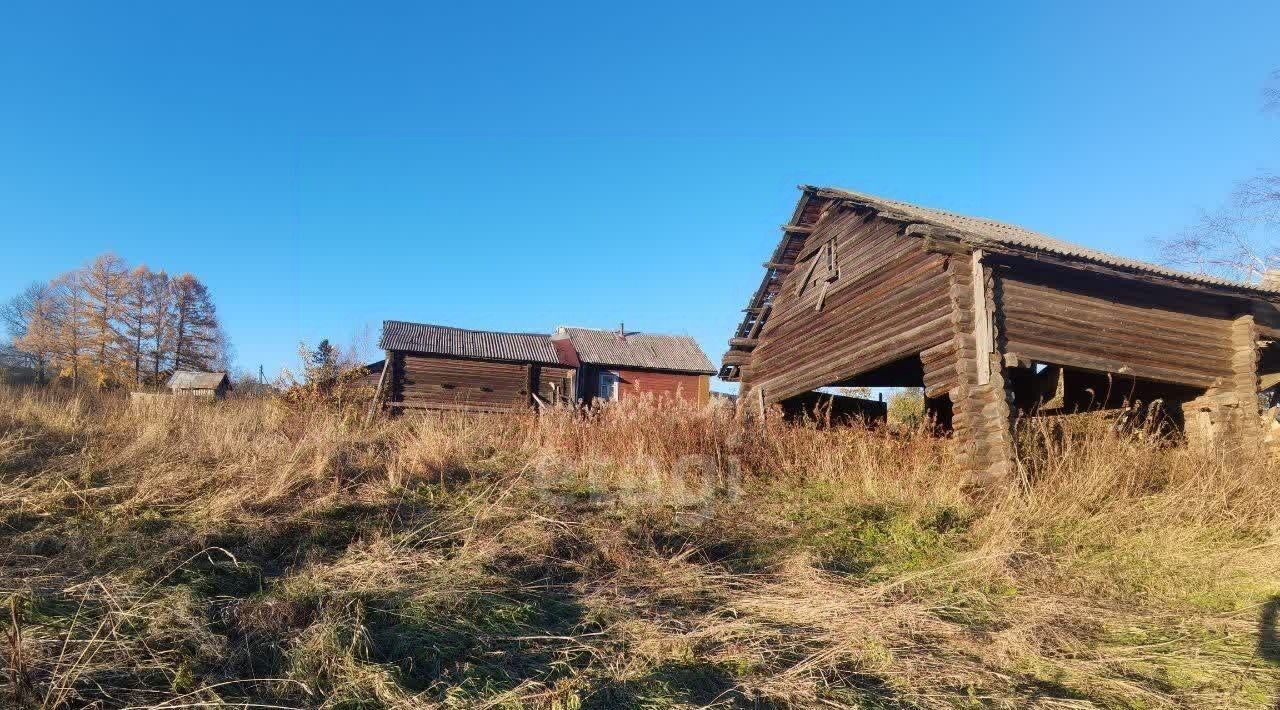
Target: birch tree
pixel 1242 240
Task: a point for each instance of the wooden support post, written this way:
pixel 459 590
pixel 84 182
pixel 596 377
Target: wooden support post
pixel 981 415
pixel 982 333
pixel 376 404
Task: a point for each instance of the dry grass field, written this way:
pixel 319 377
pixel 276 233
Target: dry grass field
pixel 257 554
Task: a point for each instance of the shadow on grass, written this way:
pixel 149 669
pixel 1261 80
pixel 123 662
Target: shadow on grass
pixel 482 645
pixel 1269 637
pixel 684 683
pixel 714 685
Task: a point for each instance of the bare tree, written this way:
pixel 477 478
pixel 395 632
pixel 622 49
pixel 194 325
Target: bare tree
pixel 1271 93
pixel 28 319
pixel 1238 242
pixel 1242 240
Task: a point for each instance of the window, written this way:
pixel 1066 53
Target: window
pixel 608 385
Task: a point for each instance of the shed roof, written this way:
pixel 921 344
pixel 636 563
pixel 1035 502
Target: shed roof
pixel 475 344
pixel 982 229
pixel 193 380
pixel 679 353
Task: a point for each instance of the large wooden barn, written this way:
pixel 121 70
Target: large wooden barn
pixel 445 368
pixel 993 320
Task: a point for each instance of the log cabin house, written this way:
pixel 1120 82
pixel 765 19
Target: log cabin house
pixel 617 365
pixel 994 321
pixel 445 368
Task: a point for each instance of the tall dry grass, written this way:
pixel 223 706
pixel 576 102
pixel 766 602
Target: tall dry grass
pixel 265 554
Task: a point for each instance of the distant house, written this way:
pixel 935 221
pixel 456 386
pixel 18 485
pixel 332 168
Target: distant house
pixel 617 365
pixel 213 385
pixel 446 368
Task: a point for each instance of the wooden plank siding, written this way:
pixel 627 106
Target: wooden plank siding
pixel 1133 328
pixel 632 382
pixel 434 382
pixel 890 300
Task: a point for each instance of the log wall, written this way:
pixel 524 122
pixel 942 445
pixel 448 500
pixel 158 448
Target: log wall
pixel 1230 408
pixel 981 416
pixel 426 382
pixel 888 300
pixel 1109 325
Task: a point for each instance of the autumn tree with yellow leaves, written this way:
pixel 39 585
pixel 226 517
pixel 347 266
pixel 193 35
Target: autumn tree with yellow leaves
pixel 108 324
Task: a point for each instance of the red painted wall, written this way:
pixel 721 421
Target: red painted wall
pixel 691 388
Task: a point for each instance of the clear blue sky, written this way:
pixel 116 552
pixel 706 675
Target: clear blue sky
pixel 323 166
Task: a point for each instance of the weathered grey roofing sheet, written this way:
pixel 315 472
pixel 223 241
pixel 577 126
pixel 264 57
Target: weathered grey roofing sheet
pixel 1013 235
pixel 642 350
pixel 458 342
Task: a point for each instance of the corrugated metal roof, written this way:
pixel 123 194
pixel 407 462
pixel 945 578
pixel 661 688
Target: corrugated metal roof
pixel 1012 235
pixel 459 342
pixel 191 380
pixel 643 350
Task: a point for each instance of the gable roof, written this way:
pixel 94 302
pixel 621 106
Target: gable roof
pixel 981 229
pixel 192 380
pixel 430 339
pixel 679 353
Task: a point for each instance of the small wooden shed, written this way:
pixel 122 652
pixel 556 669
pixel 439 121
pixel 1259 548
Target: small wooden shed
pixel 865 291
pixel 212 385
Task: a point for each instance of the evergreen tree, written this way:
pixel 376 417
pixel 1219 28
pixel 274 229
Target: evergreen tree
pixel 323 362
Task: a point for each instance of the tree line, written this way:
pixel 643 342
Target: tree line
pixel 108 324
